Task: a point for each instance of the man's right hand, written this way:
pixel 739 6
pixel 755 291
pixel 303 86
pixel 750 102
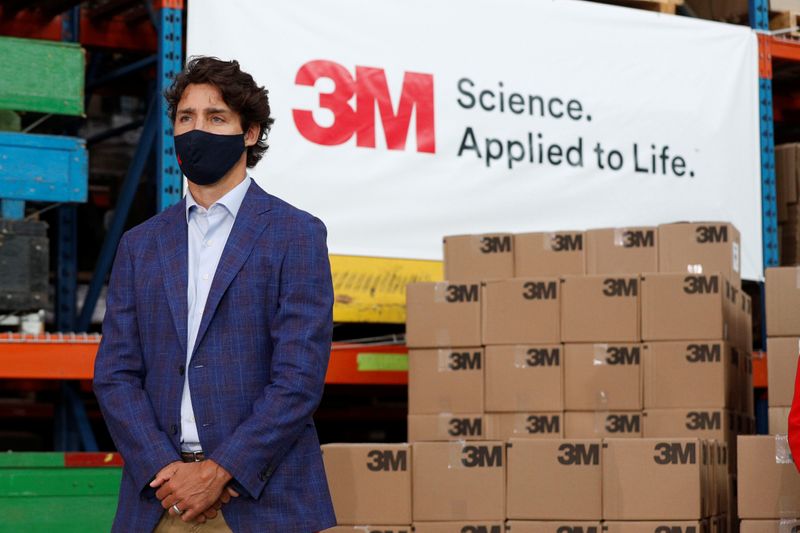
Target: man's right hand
pixel 166 473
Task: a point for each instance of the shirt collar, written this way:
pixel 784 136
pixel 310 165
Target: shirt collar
pixel 232 200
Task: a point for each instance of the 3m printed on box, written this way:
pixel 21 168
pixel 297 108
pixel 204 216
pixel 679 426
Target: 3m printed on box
pixel 443 315
pixel 601 424
pixel 369 483
pixel 554 479
pixel 602 377
pixel 600 309
pixel 449 426
pixel 700 248
pixel 521 310
pixel 524 378
pixel 445 381
pixel 622 250
pixel 549 254
pixel 478 257
pixel 526 425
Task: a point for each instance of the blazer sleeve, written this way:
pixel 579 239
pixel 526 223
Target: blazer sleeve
pixel 119 373
pixel 301 333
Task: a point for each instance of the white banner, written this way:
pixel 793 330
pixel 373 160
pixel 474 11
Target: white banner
pixel 400 121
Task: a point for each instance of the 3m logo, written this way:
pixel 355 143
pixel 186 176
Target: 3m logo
pixel 639 239
pixel 462 293
pixel 620 287
pixel 370 90
pixel 623 423
pixel 675 529
pixel 675 453
pixel 481 529
pixel 387 460
pixel 623 355
pixel 711 234
pixel 538 424
pixel 482 456
pixel 576 529
pixel 701 421
pixel 564 242
pixel 496 245
pixel 704 353
pixel 464 361
pixel 469 427
pixel 701 285
pixel 540 290
pixel 579 454
pixel 543 357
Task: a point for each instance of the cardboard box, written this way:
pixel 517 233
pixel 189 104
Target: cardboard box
pixel 459 527
pixel 783 301
pixel 722 477
pixel 549 254
pixel 600 309
pixel 459 481
pixel 700 248
pixel 779 420
pixel 686 307
pixel 747 319
pixel 445 381
pixel 554 479
pixel 782 357
pixel 538 526
pixel 449 426
pixel 524 378
pixel 521 310
pixel 769 526
pixel 747 392
pixel 602 377
pixel 369 529
pixel 767 488
pixel 658 526
pixel 527 425
pixel 787 176
pixel 691 374
pixel 622 250
pixel 443 315
pixel 701 423
pixel 649 479
pixel 478 257
pixel 369 483
pixel 601 424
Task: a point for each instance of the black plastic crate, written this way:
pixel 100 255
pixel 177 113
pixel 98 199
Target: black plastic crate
pixel 24 265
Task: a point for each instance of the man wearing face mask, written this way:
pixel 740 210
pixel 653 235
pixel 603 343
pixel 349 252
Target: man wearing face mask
pixel 217 334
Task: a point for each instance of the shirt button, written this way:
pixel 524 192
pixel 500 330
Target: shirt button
pixel 174 429
pixel 208 242
pixel 182 369
pixel 205 276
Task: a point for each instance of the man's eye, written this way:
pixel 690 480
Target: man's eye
pixel 184 118
pixel 218 120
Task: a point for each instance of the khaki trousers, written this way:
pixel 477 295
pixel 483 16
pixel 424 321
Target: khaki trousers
pixel 172 524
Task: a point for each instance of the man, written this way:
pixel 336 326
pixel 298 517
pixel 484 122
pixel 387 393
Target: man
pixel 217 334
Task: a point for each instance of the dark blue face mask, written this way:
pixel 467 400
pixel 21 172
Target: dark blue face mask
pixel 205 157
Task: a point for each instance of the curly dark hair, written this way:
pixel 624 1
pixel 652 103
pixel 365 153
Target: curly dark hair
pixel 239 91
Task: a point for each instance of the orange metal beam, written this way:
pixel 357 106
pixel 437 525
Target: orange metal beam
pixel 67 356
pixel 781 48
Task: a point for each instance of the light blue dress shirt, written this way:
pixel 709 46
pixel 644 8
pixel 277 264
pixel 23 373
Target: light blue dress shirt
pixel 208 233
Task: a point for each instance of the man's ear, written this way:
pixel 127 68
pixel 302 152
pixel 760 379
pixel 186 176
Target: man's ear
pixel 251 137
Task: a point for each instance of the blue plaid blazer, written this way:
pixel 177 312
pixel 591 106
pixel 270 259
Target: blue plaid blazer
pixel 256 374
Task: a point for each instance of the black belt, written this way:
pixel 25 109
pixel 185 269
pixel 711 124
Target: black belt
pixel 193 457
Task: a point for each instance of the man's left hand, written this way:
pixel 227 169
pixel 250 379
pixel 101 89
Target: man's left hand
pixel 194 487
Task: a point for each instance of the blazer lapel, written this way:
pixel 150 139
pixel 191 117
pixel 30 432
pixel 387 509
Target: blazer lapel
pixel 173 251
pixel 247 227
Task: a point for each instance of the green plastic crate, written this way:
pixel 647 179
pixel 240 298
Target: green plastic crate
pixel 41 76
pixel 47 492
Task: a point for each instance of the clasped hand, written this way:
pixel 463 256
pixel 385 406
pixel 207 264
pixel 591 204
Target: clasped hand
pixel 199 489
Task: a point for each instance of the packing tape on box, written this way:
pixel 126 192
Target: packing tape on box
pixel 783 454
pixel 521 356
pixel 619 237
pixel 548 241
pixel 694 269
pixel 440 292
pixel 737 258
pixel 454 454
pixel 443 359
pixel 788 525
pixel 599 354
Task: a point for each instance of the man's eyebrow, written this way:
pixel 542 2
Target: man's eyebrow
pixel 186 110
pixel 213 110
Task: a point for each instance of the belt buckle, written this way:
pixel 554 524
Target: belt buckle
pixel 195 456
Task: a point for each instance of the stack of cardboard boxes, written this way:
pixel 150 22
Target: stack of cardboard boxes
pixel 578 379
pixel 787 174
pixel 769 484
